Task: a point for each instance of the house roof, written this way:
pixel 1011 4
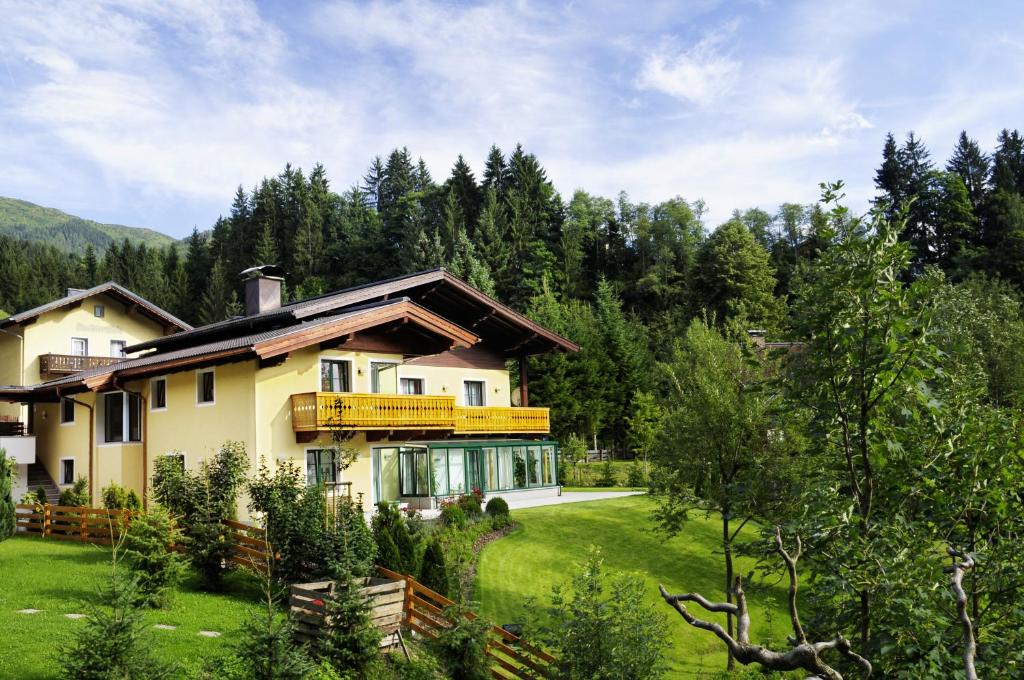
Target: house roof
pixel 262 345
pixel 437 290
pixel 109 288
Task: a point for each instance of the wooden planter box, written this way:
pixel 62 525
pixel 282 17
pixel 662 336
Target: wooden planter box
pixel 308 606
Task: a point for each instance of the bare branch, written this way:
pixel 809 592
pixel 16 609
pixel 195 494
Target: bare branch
pixel 794 615
pixel 706 604
pixel 958 569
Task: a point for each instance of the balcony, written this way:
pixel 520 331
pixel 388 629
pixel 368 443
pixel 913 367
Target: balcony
pixel 15 443
pixel 324 411
pixel 64 364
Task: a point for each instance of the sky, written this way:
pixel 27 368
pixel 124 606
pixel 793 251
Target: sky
pixel 152 112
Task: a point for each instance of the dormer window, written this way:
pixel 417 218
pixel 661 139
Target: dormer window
pixel 98 311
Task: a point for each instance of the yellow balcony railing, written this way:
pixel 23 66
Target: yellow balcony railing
pixel 322 411
pixel 482 419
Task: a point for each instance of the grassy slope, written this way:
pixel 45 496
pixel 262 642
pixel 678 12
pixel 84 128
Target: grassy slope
pixel 62 578
pixel 68 232
pixel 552 540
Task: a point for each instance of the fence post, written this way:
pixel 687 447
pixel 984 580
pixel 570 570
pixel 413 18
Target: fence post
pixel 46 520
pixel 81 527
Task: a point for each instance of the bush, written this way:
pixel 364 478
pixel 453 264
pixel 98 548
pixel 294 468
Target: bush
pixel 636 477
pixel 76 496
pixel 460 648
pixel 156 568
pixel 607 477
pixel 349 641
pixel 39 496
pixel 453 516
pixel 391 529
pixel 497 506
pixel 436 574
pixel 117 497
pixel 8 520
pixel 470 504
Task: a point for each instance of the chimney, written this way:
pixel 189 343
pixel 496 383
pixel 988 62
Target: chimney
pixel 262 288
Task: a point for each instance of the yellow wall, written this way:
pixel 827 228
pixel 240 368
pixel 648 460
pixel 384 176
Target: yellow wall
pixel 56 440
pixel 10 369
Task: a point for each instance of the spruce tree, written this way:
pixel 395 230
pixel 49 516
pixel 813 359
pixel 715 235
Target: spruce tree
pixel 467 193
pixel 1008 162
pixel 973 166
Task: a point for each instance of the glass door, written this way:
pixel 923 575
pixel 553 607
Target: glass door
pixel 476 472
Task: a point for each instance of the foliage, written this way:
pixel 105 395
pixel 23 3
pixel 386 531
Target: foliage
pixel 8 519
pixel 306 531
pixel 435 572
pixel 600 627
pixel 199 500
pixel 607 477
pixel 155 566
pixel 636 476
pixel 574 450
pixel 399 549
pixel 460 647
pixel 109 644
pixel 117 497
pixel 470 504
pixel 349 641
pixel 75 496
pixel 40 496
pixel 453 516
pixel 497 507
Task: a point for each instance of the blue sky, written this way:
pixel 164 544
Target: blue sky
pixel 151 112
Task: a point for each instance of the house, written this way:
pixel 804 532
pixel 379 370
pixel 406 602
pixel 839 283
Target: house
pixel 83 330
pixel 411 373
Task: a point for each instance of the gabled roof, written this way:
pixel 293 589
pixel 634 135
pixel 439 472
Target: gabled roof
pixel 441 292
pixel 109 288
pixel 261 345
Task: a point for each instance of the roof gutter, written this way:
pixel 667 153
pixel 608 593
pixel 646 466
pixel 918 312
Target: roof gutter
pixel 92 440
pixel 144 418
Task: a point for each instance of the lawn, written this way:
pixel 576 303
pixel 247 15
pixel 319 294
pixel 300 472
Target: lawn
pixel 552 540
pixel 65 578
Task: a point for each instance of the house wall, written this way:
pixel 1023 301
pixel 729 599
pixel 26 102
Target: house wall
pixel 11 371
pixel 56 440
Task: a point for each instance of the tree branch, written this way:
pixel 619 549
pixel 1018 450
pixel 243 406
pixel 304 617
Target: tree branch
pixel 958 569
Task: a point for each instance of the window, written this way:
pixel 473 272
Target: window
pixel 440 463
pixel 411 385
pixel 117 348
pixel 382 377
pixel 122 418
pixel 321 467
pixel 79 347
pixel 158 394
pixel 204 387
pixel 67 411
pixel 335 375
pixel 456 471
pixel 533 456
pixel 67 471
pixel 98 311
pixel 474 391
pixel 414 472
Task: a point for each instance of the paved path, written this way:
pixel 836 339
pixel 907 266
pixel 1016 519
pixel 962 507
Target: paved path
pixel 569 497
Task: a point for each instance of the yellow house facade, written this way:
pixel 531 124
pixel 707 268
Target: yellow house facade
pixel 410 374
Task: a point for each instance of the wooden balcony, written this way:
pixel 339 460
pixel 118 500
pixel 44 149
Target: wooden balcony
pixel 63 364
pixel 324 411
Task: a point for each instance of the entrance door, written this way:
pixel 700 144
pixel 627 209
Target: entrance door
pixel 475 472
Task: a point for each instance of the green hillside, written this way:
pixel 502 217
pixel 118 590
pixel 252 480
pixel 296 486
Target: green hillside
pixel 21 219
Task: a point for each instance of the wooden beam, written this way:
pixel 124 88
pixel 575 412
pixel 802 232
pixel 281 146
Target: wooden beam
pixel 524 381
pixel 520 345
pixel 270 362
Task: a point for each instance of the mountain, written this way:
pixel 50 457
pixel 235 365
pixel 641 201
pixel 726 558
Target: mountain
pixel 32 222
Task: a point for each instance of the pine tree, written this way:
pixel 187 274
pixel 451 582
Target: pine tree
pixel 973 166
pixel 349 640
pixel 890 178
pixel 372 183
pixel 219 301
pixel 91 267
pixel 265 251
pixel 1008 162
pixel 495 172
pixel 467 193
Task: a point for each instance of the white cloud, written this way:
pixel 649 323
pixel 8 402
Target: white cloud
pixel 701 74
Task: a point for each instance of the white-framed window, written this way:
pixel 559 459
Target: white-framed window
pixel 473 392
pixel 67 471
pixel 411 386
pixel 335 375
pixel 79 347
pixel 158 394
pixel 99 311
pixel 117 348
pixel 122 417
pixel 384 377
pixel 205 387
pixel 67 411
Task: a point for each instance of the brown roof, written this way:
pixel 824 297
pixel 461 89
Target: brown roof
pixel 109 288
pixel 500 326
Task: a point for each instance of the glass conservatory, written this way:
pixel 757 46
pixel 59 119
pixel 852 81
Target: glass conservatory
pixel 450 468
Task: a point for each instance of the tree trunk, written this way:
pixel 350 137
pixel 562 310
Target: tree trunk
pixel 727 548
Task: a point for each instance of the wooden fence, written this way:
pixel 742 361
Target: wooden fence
pixel 249 547
pixel 386 596
pixel 511 656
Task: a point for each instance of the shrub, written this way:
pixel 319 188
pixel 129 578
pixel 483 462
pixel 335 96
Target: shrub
pixel 156 568
pixel 497 506
pixel 389 527
pixel 460 648
pixel 470 504
pixel 435 573
pixel 267 650
pixel 349 641
pixel 39 496
pixel 77 495
pixel 607 477
pixel 636 477
pixel 117 497
pixel 453 516
pixel 8 520
pixel 601 627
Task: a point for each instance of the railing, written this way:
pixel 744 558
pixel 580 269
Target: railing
pixel 316 411
pixel 12 428
pixel 511 656
pixel 480 419
pixel 72 523
pixel 69 363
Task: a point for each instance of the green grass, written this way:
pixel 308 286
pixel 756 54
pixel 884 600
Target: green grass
pixel 553 540
pixel 65 578
pixel 597 489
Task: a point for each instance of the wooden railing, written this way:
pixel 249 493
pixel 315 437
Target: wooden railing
pixel 12 428
pixel 385 596
pixel 480 419
pixel 316 411
pixel 249 547
pixel 72 523
pixel 511 656
pixel 69 363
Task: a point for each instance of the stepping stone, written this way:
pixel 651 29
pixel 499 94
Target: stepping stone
pixel 75 616
pixel 164 626
pixel 28 611
pixel 209 633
